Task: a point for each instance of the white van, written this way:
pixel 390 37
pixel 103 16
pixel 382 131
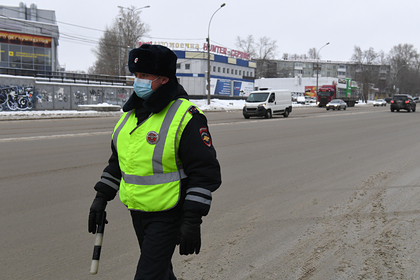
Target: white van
pixel 268 103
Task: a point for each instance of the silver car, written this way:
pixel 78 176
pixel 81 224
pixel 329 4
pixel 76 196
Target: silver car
pixel 336 104
pixel 379 102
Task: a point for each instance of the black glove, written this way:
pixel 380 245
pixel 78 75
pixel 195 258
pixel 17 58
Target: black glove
pixel 190 238
pixel 96 211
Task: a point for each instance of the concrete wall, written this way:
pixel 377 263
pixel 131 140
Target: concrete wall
pixel 25 93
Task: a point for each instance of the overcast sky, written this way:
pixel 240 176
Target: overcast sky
pixel 296 25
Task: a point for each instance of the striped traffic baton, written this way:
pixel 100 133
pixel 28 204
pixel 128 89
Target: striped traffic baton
pixel 98 245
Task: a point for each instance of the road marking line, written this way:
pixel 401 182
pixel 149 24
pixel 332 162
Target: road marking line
pixel 43 137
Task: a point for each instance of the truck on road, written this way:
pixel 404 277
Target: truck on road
pixel 326 93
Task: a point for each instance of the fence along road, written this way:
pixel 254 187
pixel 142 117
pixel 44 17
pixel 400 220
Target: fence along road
pixel 331 197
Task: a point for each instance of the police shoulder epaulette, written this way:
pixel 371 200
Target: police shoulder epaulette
pixel 193 110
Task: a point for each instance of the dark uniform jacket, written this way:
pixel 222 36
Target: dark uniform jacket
pixel 197 154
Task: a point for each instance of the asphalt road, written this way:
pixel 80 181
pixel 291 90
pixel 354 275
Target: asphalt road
pixel 319 195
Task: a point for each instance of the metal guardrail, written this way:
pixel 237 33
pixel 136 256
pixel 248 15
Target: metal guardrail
pixel 66 76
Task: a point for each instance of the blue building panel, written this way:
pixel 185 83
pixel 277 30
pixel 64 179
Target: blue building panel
pixel 219 58
pixel 180 54
pixel 190 75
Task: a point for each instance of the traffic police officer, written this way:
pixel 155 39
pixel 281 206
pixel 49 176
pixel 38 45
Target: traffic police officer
pixel 163 164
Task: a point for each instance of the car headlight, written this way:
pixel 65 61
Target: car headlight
pixel 261 105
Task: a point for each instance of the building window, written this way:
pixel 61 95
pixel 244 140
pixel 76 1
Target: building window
pixel 236 71
pixel 240 72
pixel 227 70
pixel 187 66
pixel 224 71
pixel 218 69
pixel 178 66
pixel 214 68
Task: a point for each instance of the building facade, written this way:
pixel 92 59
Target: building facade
pixel 28 38
pixel 373 78
pixel 229 76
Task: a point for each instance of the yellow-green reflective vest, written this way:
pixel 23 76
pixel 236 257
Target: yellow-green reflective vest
pixel 148 157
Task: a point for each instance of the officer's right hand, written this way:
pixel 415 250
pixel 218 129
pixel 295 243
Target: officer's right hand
pixel 190 237
pixel 95 214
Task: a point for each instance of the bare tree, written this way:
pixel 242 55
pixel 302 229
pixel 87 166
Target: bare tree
pixel 266 48
pixel 366 69
pixel 246 45
pixel 404 61
pixel 112 51
pixel 263 52
pixel 312 53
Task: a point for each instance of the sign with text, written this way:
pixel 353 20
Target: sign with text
pixel 191 46
pixel 25 39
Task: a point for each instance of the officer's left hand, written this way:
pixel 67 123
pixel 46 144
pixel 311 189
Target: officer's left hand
pixel 190 237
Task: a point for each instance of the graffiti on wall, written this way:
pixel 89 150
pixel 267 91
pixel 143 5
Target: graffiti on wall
pixel 80 97
pixel 60 96
pixel 14 98
pixel 97 95
pixel 44 96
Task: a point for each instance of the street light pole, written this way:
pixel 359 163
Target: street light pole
pixel 119 47
pixel 396 75
pixel 317 68
pixel 208 55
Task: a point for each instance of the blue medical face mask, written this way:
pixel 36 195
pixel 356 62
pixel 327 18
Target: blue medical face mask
pixel 143 87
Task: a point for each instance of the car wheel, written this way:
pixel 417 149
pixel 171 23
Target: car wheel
pixel 414 108
pixel 392 109
pixel 408 109
pixel 345 107
pixel 268 114
pixel 246 116
pixel 328 109
pixel 286 113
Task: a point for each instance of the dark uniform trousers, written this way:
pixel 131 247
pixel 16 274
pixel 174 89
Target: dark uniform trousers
pixel 157 234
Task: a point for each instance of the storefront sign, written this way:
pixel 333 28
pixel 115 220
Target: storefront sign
pixel 213 48
pixel 24 39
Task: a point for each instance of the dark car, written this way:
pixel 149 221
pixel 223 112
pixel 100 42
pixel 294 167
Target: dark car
pixel 336 104
pixel 403 102
pixel 388 99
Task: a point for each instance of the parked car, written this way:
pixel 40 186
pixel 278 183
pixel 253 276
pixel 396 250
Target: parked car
pixel 379 102
pixel 336 104
pixel 403 102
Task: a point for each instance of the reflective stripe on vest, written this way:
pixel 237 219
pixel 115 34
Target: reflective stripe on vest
pixel 148 184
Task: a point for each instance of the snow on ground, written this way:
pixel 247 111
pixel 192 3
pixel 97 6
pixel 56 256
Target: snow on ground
pixel 215 105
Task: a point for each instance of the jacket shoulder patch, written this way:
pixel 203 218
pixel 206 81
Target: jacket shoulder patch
pixel 193 110
pixel 205 136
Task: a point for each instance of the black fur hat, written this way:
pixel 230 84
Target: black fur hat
pixel 153 59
